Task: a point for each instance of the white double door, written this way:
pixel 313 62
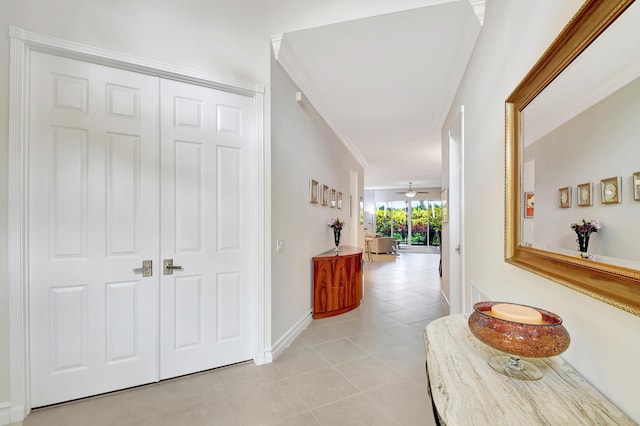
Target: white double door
pixel 126 168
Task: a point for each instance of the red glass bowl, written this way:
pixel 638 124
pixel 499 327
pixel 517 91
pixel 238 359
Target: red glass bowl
pixel 527 340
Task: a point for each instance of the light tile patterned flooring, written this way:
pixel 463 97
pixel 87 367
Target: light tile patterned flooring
pixel 365 367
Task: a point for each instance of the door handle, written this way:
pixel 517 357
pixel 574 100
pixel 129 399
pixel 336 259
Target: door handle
pixel 169 267
pixel 146 270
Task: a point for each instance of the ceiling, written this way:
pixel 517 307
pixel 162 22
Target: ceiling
pixel 385 84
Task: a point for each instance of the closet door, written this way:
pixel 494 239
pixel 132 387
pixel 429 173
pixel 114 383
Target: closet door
pixel 111 189
pixel 206 137
pixel 93 219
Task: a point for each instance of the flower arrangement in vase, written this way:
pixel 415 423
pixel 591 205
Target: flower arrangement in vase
pixel 337 224
pixel 583 231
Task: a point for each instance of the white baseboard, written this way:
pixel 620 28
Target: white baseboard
pixel 5 413
pixel 444 301
pixel 10 415
pixel 291 334
pixel 265 357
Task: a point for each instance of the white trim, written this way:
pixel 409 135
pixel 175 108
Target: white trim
pixel 464 303
pixel 267 250
pixel 5 413
pixel 276 41
pixel 262 311
pixel 478 9
pixel 285 341
pixel 445 301
pixel 113 59
pixel 21 44
pixel 17 267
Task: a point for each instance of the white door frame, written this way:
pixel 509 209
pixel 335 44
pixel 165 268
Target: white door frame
pixel 21 44
pixel 457 293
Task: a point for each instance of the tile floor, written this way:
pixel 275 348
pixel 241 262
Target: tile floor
pixel 365 367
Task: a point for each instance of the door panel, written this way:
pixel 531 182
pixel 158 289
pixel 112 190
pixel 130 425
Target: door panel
pixel 205 143
pixel 93 201
pixel 125 168
pixel 188 196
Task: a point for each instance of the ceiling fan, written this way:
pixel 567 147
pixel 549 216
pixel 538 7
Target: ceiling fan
pixel 410 193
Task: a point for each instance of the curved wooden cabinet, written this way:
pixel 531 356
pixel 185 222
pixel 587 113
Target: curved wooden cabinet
pixel 337 281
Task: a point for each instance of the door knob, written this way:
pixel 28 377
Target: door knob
pixel 146 270
pixel 169 267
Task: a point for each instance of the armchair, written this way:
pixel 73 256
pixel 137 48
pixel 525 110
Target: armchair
pixel 378 244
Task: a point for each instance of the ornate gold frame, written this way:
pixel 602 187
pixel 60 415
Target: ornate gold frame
pixel 611 284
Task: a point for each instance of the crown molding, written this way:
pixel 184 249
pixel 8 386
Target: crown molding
pixel 478 9
pixel 289 63
pixel 48 44
pixel 276 41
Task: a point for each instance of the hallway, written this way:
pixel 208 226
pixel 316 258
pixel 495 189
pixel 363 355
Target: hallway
pixel 365 367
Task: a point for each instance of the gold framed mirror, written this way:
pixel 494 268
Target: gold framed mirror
pixel 613 284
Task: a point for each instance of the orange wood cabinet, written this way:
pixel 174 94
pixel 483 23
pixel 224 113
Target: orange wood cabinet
pixel 337 281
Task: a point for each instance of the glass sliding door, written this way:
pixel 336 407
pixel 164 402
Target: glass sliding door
pixel 419 223
pixel 391 219
pixel 412 222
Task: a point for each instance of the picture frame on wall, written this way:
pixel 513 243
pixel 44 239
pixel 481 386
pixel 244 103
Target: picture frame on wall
pixel 610 190
pixel 564 197
pixel 584 194
pixel 339 200
pixel 444 197
pixel 361 210
pixel 636 186
pixel 325 195
pixel 529 201
pixel 332 199
pixel 314 190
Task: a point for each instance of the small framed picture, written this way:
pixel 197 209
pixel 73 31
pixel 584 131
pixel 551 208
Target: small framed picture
pixel 332 201
pixel 636 186
pixel 444 197
pixel 528 204
pixel 339 200
pixel 564 197
pixel 314 191
pixel 325 195
pixel 610 190
pixel 583 194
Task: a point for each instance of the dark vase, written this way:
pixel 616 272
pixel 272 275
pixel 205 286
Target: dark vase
pixel 583 243
pixel 336 237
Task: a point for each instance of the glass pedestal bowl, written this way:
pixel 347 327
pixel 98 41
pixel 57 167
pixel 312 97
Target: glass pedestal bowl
pixel 518 339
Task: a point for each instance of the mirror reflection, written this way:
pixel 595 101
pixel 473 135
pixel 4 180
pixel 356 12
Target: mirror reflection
pixel 581 154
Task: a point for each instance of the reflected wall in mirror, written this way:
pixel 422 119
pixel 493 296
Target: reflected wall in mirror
pixel 572 123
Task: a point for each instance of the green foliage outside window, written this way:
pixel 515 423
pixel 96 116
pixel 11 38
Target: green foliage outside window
pixel 423 219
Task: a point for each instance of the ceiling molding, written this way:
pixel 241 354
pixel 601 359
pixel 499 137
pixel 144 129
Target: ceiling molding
pixel 478 8
pixel 276 41
pixel 289 62
pixel 384 85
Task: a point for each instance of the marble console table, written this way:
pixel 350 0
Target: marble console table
pixel 465 390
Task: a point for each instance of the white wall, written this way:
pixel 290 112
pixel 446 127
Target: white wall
pixel 231 39
pixel 227 45
pixel 604 340
pixel 218 37
pixel 303 147
pixel 601 142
